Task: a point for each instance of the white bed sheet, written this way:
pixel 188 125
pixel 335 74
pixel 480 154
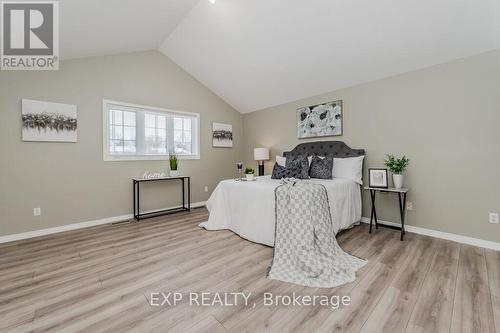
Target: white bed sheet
pixel 248 209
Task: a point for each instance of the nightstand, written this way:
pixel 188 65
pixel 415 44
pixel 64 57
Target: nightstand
pixel 401 192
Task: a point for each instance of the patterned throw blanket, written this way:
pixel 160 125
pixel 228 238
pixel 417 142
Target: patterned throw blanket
pixel 306 251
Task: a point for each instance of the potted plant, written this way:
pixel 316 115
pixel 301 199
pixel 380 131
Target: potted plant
pixel 172 159
pixel 249 173
pixel 397 166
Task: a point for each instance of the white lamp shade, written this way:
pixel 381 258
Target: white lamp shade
pixel 261 154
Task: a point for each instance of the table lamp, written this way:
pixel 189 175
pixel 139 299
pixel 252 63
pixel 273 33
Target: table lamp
pixel 261 155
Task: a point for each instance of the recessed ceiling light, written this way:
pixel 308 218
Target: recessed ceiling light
pixel 211 1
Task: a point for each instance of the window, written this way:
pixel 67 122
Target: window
pixel 182 135
pixel 122 132
pixel 155 133
pixel 136 132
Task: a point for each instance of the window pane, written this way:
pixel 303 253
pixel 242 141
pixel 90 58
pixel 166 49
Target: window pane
pixel 129 118
pixel 129 133
pixel 188 147
pixel 162 147
pixel 150 145
pixel 150 133
pixel 117 118
pixel 178 123
pixel 116 146
pixel 182 148
pixel 117 132
pixel 162 134
pixel 187 124
pixel 129 147
pixel 178 136
pixel 111 146
pixel 187 136
pixel 162 121
pixel 156 146
pixel 149 120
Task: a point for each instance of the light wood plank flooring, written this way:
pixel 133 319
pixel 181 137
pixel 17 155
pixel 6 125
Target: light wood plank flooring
pixel 101 279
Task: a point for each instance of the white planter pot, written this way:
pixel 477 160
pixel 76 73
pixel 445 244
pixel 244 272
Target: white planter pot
pixel 397 180
pixel 174 173
pixel 249 176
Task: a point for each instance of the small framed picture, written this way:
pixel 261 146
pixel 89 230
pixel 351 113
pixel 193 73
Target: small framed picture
pixel 222 135
pixel 378 178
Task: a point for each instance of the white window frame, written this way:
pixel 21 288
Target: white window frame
pixel 153 157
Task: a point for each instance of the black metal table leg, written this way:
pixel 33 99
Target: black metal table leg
pixel 189 193
pixel 374 210
pixel 183 195
pixel 138 201
pixel 371 219
pixel 373 213
pixel 402 205
pixel 133 194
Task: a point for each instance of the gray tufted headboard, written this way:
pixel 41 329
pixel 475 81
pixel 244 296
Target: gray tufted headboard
pixel 338 148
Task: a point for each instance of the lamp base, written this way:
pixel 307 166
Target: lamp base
pixel 261 169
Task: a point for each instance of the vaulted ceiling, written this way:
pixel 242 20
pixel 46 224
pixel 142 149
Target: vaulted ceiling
pixel 259 53
pixel 101 27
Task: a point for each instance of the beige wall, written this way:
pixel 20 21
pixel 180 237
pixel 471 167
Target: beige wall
pixel 445 118
pixel 70 181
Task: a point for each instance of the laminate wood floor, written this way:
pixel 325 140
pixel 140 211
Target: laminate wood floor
pixel 101 279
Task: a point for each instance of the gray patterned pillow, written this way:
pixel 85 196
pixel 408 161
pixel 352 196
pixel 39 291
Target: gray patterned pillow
pixel 321 167
pixel 299 165
pixel 282 172
pixel 278 171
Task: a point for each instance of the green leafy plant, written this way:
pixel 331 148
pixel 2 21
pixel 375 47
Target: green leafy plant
pixel 172 159
pixel 249 171
pixel 396 165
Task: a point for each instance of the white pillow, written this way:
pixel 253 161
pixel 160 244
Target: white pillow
pixel 349 168
pixel 282 160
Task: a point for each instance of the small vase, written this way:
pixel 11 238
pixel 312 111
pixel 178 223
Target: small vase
pixel 397 179
pixel 174 173
pixel 249 176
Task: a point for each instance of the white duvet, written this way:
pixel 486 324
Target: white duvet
pixel 248 209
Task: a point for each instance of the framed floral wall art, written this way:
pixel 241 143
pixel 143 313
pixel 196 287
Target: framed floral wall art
pixel 320 120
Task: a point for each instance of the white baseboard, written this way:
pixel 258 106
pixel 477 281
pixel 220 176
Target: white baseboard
pixel 418 230
pixel 81 225
pixel 443 235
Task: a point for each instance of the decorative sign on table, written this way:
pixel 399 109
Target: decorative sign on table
pixel 153 175
pixel 46 121
pixel 320 120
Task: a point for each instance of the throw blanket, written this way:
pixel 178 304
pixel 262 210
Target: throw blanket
pixel 306 251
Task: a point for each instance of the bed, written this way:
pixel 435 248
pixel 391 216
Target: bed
pixel 248 208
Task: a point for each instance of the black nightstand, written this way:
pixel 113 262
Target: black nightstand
pixel 402 206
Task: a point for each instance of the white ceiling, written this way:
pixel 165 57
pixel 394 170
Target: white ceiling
pixel 260 53
pixel 100 27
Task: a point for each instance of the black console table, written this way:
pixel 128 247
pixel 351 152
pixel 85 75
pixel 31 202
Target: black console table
pixel 137 196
